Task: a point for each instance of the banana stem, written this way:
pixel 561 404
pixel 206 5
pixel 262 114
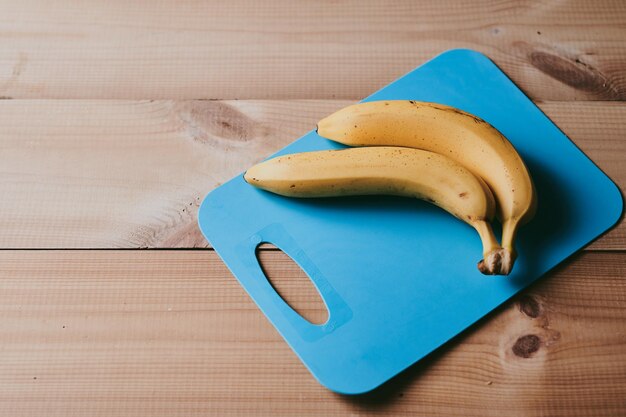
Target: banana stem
pixel 509 232
pixel 493 254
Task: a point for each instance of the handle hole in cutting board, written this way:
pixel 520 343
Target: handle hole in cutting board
pixel 291 283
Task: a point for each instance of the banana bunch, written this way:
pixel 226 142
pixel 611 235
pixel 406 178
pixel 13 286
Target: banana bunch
pixel 429 151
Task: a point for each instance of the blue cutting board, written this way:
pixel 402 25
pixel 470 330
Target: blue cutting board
pixel 398 275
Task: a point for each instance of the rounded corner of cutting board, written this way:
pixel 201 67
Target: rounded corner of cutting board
pixel 618 199
pixel 463 53
pixel 351 387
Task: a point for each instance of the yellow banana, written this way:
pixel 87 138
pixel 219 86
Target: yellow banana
pixel 387 171
pixel 467 139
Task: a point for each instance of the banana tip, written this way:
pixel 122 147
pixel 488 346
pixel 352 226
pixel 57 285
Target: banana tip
pixel 497 262
pixel 506 262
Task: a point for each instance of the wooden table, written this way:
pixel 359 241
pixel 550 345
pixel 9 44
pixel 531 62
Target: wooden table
pixel 116 119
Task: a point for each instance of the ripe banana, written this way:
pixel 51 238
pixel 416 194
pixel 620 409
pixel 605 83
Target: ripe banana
pixel 387 171
pixel 467 139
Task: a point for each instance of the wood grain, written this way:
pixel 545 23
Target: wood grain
pixel 171 333
pixel 130 174
pixel 569 50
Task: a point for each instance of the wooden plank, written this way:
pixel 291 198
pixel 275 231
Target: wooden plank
pixel 299 49
pixel 130 174
pixel 171 333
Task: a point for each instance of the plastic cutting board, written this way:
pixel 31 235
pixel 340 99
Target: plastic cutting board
pixel 398 275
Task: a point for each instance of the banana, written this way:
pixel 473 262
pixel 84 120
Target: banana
pixel 467 139
pixel 387 171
